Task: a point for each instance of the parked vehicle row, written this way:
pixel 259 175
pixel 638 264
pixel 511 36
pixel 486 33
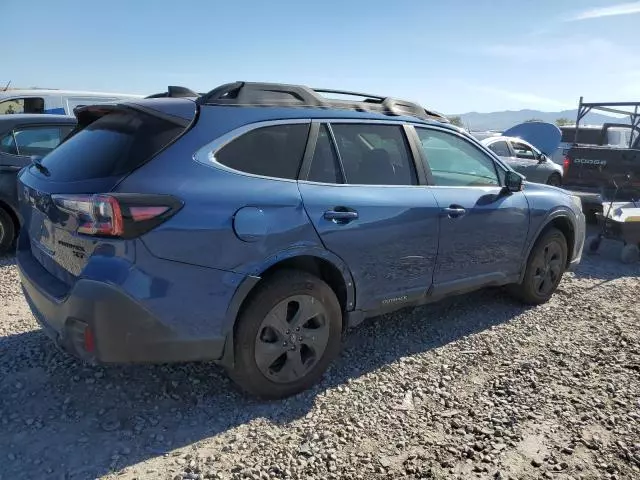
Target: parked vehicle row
pixel 528 148
pixel 57 102
pixel 252 224
pixel 24 138
pixel 612 165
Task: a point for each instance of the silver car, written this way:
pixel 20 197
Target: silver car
pixel 526 159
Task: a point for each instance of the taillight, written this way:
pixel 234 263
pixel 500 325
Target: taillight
pixel 566 163
pixel 117 215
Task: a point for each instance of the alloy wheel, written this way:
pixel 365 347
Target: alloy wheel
pixel 548 268
pixel 292 339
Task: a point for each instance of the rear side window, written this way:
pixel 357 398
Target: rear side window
pixel 37 140
pixel 8 144
pixel 113 145
pixel 375 154
pixel 325 167
pixel 274 151
pixel 500 148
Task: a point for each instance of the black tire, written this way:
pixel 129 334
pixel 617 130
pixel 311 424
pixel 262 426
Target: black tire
pixel 254 322
pixel 630 254
pixel 547 260
pixel 593 243
pixel 7 231
pixel 554 180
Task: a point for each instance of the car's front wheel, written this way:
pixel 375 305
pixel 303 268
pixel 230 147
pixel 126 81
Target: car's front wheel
pixel 554 180
pixel 287 335
pixel 545 267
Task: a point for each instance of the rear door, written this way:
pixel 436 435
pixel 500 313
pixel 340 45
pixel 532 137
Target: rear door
pixel 108 144
pixel 482 229
pixel 365 195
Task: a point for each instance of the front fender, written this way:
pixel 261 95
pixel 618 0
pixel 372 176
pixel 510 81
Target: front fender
pixel 557 212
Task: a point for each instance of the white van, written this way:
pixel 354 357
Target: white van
pixel 53 101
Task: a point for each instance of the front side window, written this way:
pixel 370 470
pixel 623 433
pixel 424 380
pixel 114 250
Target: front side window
pixel 374 154
pixel 274 151
pixel 500 148
pixel 523 151
pixel 456 162
pixel 22 105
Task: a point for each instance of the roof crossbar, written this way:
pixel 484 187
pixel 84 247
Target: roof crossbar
pixel 283 95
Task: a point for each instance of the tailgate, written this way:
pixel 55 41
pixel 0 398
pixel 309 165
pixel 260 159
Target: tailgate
pixel 600 168
pixel 108 144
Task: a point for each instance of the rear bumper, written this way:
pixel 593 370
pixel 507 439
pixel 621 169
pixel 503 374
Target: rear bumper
pixel 122 328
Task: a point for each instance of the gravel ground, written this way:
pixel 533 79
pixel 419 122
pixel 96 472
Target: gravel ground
pixel 476 386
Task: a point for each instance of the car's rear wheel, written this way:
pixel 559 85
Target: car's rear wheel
pixel 545 267
pixel 287 335
pixel 7 231
pixel 554 180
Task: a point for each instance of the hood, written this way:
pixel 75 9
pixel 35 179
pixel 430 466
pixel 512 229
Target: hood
pixel 546 137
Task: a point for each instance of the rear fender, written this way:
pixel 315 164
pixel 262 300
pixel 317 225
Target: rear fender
pixel 255 275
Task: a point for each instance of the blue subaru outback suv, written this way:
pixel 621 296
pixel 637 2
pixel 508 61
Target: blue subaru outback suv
pixel 253 224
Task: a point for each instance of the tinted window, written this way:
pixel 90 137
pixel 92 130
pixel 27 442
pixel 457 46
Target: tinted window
pixel 325 167
pixel 500 148
pixel 37 140
pixel 269 151
pixel 588 136
pixel 524 151
pixel 374 154
pixel 22 105
pixel 113 145
pixel 454 161
pixel 8 144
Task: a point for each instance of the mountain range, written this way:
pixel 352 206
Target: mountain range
pixel 475 121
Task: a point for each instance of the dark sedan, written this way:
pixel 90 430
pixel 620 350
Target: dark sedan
pixel 24 138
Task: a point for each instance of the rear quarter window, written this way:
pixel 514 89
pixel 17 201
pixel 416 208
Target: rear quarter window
pixel 275 151
pixel 113 145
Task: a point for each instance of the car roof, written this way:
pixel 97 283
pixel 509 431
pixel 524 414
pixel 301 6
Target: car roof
pixel 8 120
pixel 503 138
pixel 251 114
pixel 34 92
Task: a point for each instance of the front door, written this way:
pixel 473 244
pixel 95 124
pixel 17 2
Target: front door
pixel 363 196
pixel 482 229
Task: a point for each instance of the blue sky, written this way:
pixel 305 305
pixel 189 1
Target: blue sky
pixel 455 56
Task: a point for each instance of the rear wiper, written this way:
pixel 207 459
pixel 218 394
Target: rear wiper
pixel 35 161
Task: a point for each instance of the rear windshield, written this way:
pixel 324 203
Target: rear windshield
pixel 113 145
pixel 587 136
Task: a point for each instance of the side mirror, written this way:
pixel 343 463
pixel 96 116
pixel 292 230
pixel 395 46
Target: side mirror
pixel 542 158
pixel 513 182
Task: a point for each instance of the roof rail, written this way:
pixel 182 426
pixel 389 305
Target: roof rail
pixel 175 92
pixel 283 95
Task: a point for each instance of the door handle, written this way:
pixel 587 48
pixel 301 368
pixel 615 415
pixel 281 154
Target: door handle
pixel 340 216
pixel 454 211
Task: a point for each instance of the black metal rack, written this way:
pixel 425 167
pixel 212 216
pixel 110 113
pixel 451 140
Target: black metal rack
pixel 610 107
pixel 283 95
